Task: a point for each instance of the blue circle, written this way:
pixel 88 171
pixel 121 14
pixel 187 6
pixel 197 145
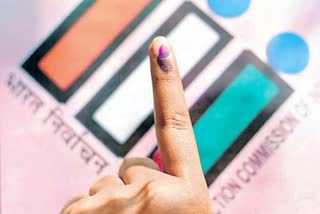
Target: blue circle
pixel 288 52
pixel 229 8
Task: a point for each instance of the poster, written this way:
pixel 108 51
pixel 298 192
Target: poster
pixel 71 83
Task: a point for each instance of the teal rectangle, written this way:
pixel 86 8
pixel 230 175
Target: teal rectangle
pixel 231 113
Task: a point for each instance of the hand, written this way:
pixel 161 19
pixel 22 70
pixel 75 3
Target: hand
pixel 141 187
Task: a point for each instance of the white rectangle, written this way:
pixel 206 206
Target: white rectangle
pixel 132 102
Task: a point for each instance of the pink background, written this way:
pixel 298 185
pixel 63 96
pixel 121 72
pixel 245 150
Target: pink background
pixel 39 173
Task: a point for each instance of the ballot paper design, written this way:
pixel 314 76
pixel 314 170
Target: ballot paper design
pixel 75 99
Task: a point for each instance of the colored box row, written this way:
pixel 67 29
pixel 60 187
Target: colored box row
pixel 225 117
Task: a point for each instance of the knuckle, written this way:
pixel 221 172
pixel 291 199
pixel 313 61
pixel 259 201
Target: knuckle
pixel 176 120
pixel 102 180
pixel 116 197
pixel 125 173
pixel 116 200
pixel 132 170
pixel 126 163
pixel 134 164
pixel 163 78
pixel 95 187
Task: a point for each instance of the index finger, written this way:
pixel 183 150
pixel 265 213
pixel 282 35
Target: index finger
pixel 176 141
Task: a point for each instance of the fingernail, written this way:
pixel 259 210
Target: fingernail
pixel 157 159
pixel 163 58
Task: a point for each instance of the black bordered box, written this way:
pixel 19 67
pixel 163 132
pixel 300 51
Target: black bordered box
pixel 233 109
pixel 122 111
pixel 83 41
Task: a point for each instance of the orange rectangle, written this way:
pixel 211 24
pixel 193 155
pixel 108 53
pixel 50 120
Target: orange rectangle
pixel 87 39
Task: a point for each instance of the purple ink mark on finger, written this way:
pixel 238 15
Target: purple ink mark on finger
pixel 163 51
pixel 163 58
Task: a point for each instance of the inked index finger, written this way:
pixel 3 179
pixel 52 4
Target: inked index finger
pixel 175 135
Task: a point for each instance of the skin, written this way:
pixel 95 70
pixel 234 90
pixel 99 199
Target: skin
pixel 141 187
